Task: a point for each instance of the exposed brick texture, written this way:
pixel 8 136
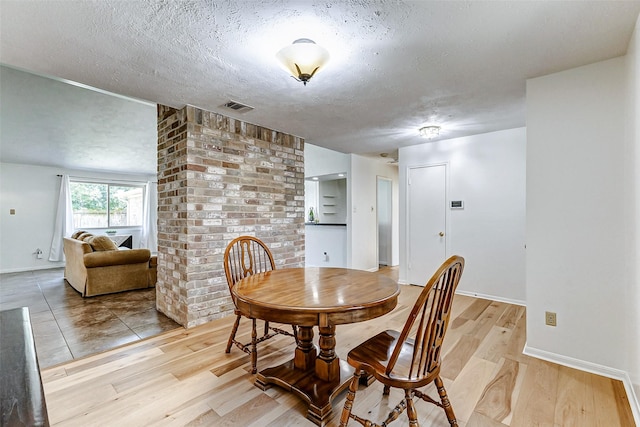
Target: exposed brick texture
pixel 219 178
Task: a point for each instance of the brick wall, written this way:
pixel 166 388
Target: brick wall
pixel 219 178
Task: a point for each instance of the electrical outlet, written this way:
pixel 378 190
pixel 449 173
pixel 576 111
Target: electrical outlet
pixel 550 318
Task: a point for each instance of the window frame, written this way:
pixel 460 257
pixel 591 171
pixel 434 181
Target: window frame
pixel 109 184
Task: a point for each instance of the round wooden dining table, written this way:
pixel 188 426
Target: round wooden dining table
pixel 309 297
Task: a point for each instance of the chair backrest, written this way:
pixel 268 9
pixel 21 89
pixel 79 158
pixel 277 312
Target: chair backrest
pixel 431 311
pixel 244 256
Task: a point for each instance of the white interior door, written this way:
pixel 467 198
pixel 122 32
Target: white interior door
pixel 426 228
pixel 384 220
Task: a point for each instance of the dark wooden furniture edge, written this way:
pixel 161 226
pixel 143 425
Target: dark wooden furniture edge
pixel 22 394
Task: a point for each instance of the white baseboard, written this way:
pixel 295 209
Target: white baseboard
pixel 491 297
pixel 482 296
pixel 593 368
pixel 22 270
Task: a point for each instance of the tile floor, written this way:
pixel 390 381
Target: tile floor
pixel 67 326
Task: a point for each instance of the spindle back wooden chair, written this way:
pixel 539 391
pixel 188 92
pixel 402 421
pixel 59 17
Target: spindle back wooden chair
pixel 244 256
pixel 410 360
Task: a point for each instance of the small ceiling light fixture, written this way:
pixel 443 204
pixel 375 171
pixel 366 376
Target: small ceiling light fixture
pixel 302 59
pixel 430 131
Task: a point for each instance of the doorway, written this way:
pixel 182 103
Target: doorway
pixel 426 222
pixel 384 208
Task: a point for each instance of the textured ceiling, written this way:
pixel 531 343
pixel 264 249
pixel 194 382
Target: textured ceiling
pixel 50 123
pixel 395 66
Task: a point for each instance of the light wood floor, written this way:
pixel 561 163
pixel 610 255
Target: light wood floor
pixel 184 378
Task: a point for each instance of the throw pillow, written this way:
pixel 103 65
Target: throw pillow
pixel 102 243
pixel 83 236
pixel 77 233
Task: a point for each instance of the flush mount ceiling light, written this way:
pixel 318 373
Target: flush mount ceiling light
pixel 302 59
pixel 430 131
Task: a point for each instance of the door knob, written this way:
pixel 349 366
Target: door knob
pixel 441 234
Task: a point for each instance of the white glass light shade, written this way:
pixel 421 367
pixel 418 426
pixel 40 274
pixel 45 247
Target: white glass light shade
pixel 430 131
pixel 302 59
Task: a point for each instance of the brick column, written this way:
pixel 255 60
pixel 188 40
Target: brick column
pixel 219 178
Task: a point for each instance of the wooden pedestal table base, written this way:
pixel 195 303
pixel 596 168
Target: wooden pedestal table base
pixel 317 380
pixel 308 297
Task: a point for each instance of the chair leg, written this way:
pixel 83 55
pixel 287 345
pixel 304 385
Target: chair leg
pixel 254 348
pixel 266 328
pixel 233 334
pixel 411 409
pixel 351 395
pixel 444 399
pixel 385 390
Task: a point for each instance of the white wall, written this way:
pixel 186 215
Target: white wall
pixel 487 172
pixel 576 222
pixel 633 155
pixel 33 192
pixel 320 161
pixel 361 251
pixel 325 246
pixel 362 216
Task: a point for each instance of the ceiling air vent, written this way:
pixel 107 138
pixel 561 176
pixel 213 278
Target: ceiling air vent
pixel 236 106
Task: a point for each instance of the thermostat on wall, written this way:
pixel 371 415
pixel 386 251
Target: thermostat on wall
pixel 457 204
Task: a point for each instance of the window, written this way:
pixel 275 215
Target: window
pixel 105 205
